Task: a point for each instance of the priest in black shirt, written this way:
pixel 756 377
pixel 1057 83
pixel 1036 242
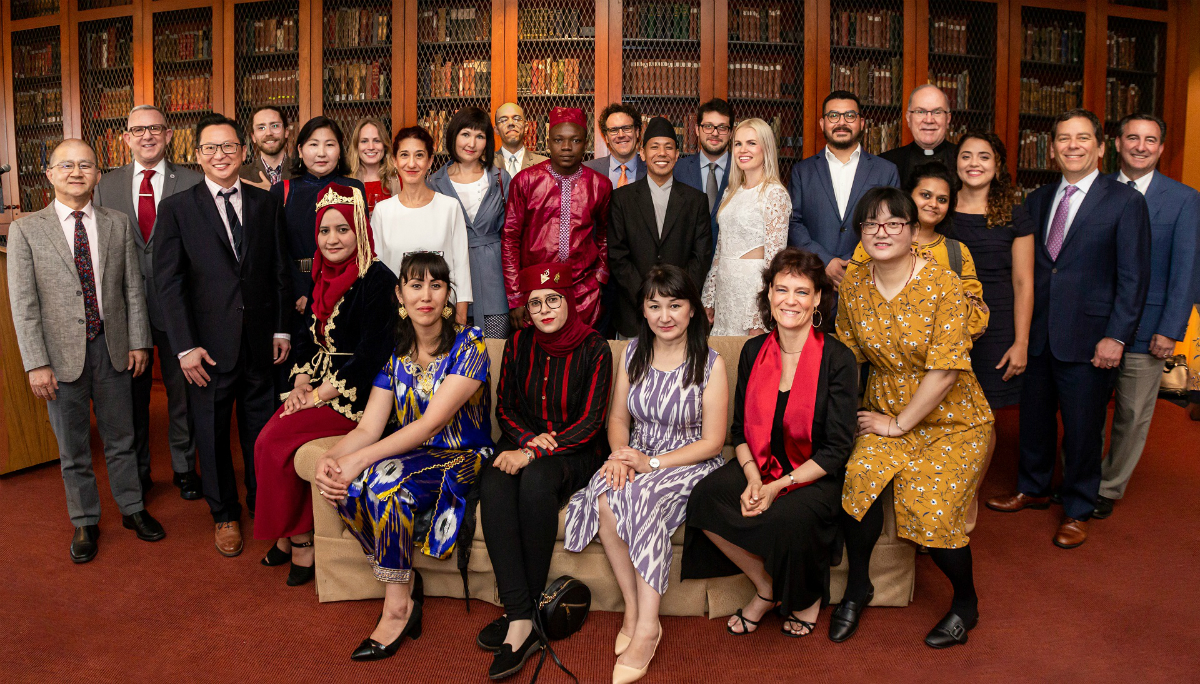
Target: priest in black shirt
pixel 928 118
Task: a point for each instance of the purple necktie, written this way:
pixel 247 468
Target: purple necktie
pixel 87 278
pixel 1058 227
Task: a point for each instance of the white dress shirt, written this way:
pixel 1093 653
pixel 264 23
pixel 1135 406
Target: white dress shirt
pixel 519 156
pixel 235 200
pixel 720 170
pixel 1073 205
pixel 156 182
pixel 1142 184
pixel 842 176
pixel 89 226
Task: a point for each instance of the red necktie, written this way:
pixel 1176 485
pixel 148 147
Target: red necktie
pixel 146 212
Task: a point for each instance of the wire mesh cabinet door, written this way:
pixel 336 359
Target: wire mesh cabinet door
pixel 38 110
pixel 1136 58
pixel 266 48
pixel 357 65
pixel 660 62
pixel 962 61
pixel 867 58
pixel 183 73
pixel 106 87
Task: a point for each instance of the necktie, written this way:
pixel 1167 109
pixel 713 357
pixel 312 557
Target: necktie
pixel 87 278
pixel 512 166
pixel 1058 227
pixel 710 187
pixel 146 210
pixel 235 225
pixel 622 180
pixel 1132 184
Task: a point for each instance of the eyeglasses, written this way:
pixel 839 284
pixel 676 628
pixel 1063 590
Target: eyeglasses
pixel 69 166
pixel 849 117
pixel 627 129
pixel 263 128
pixel 715 128
pixel 552 302
pixel 209 149
pixel 139 131
pixel 516 118
pixel 889 227
pixel 922 113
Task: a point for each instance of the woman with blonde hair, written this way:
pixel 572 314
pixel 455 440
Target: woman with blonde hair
pixel 754 227
pixel 370 162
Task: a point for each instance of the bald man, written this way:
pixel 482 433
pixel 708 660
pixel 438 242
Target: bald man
pixel 511 124
pixel 79 308
pixel 928 118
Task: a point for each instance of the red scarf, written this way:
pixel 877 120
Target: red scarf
pixel 566 339
pixel 331 281
pixel 762 393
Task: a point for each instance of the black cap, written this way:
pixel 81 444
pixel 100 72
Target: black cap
pixel 660 128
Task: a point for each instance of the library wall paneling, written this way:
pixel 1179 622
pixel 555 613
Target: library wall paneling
pixel 266 58
pixel 184 76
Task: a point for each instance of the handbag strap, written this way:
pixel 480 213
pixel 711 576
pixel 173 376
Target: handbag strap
pixel 547 648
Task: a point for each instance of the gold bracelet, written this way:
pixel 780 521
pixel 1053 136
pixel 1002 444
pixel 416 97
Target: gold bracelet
pixel 316 398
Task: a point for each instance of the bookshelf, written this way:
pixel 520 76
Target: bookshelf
pixel 183 74
pixel 556 64
pixel 266 48
pixel 38 110
pixel 660 64
pixel 31 9
pixel 867 58
pixel 962 61
pixel 85 5
pixel 454 63
pixel 106 87
pixel 1135 51
pixel 357 62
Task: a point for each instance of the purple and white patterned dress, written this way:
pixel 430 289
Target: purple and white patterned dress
pixel 666 416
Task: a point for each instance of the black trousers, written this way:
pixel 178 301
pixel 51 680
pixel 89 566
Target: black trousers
pixel 179 431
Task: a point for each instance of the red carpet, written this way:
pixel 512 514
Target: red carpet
pixel 1122 607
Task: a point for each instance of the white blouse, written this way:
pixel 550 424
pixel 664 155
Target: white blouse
pixel 436 227
pixel 472 194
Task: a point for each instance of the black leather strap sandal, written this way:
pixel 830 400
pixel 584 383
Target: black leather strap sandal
pixel 300 574
pixel 745 622
pixel 788 631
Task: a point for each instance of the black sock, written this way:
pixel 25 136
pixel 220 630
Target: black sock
pixel 956 565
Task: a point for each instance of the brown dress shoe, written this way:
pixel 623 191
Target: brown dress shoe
pixel 1012 503
pixel 229 538
pixel 1071 533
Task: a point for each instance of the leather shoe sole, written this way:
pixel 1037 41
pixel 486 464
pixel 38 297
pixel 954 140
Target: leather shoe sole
pixel 508 662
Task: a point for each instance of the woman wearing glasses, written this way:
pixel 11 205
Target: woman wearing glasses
pixel 371 163
pixel 924 427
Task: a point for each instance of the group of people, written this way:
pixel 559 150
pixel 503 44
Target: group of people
pixel 331 288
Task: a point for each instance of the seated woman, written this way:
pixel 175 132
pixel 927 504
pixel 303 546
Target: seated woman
pixel 639 497
pixel 352 319
pixel 772 512
pixel 435 385
pixel 925 422
pixel 550 404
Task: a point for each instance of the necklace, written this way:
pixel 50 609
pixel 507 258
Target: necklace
pixel 911 273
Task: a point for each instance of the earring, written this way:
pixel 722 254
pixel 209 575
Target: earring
pixel 447 312
pixel 816 318
pixel 403 312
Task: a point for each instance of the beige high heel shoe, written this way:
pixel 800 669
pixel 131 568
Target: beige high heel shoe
pixel 623 674
pixel 622 643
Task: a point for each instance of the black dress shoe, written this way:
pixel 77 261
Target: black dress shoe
pixel 301 574
pixel 147 527
pixel 276 557
pixel 491 638
pixel 508 662
pixel 951 631
pixel 83 544
pixel 1104 507
pixel 844 621
pixel 370 649
pixel 189 485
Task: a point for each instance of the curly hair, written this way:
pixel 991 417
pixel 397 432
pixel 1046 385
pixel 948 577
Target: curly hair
pixel 1001 195
pixel 797 262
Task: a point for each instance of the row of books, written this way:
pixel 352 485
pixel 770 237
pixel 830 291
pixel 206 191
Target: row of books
pixel 110 147
pixel 957 132
pixel 789 140
pixel 949 34
pixel 1122 99
pixel 358 81
pixel 449 78
pixel 34 61
pixel 880 136
pixel 1123 52
pixel 24 9
pixel 1056 43
pixel 37 107
pixel 279 87
pixel 762 81
pixel 870 28
pixel 183 93
pixel 98 4
pixel 106 49
pixel 268 36
pixel 348 27
pixel 107 103
pixel 877 82
pixel 546 22
pixel 684 125
pixel 181 44
pixel 36 197
pixel 183 145
pixel 1049 100
pixel 762 24
pixel 33 154
pixel 956 86
pixel 566 76
pixel 537 132
pixel 1034 150
pixel 454 24
pixel 669 77
pixel 435 121
pixel 662 20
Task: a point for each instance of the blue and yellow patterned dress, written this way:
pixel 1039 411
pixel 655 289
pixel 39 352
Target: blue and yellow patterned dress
pixel 383 501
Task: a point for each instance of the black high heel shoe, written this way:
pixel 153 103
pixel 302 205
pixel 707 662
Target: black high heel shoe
pixel 370 649
pixel 300 574
pixel 418 590
pixel 276 557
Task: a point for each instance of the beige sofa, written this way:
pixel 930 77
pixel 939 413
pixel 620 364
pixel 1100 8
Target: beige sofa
pixel 344 574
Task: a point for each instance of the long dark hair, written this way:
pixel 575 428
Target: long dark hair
pixel 938 171
pixel 1001 195
pixel 671 281
pixel 419 265
pixel 306 131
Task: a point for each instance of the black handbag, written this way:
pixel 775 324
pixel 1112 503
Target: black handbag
pixel 561 611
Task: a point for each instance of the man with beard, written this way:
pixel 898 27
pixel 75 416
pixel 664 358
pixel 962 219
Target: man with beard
pixel 621 125
pixel 268 163
pixel 826 186
pixel 708 169
pixel 929 120
pixel 558 212
pixel 511 125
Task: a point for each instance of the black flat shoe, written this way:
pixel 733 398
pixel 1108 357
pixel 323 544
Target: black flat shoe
pixel 370 649
pixel 276 557
pixel 491 638
pixel 508 662
pixel 189 485
pixel 301 574
pixel 83 544
pixel 844 621
pixel 951 631
pixel 145 525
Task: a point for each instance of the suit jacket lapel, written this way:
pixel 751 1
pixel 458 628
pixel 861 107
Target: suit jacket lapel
pixel 1090 199
pixel 1157 187
pixel 249 207
pixel 1039 210
pixel 865 163
pixel 106 236
pixel 645 205
pixel 53 226
pixel 208 210
pixel 674 205
pixel 825 179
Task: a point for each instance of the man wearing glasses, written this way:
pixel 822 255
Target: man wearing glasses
pixel 225 290
pixel 80 316
pixel 511 125
pixel 928 118
pixel 136 190
pixel 621 125
pixel 268 163
pixel 826 186
pixel 708 169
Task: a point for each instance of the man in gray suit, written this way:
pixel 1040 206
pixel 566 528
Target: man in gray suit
pixel 512 125
pixel 621 125
pixel 135 190
pixel 80 317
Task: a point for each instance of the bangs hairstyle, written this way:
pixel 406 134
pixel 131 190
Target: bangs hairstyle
pixel 898 203
pixel 306 131
pixel 672 282
pixel 418 266
pixel 471 118
pixel 797 262
pixel 416 133
pixel 1001 196
pixel 937 171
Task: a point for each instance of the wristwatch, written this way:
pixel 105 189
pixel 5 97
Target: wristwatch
pixel 654 463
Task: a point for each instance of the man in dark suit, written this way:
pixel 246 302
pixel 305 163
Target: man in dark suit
pixel 826 186
pixel 224 286
pixel 268 162
pixel 928 118
pixel 135 190
pixel 655 221
pixel 1091 274
pixel 708 169
pixel 1175 234
pixel 621 126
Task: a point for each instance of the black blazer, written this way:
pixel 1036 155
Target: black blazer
pixel 634 246
pixel 211 299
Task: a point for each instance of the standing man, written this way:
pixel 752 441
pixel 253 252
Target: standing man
pixel 79 310
pixel 268 163
pixel 511 125
pixel 656 221
pixel 135 190
pixel 621 125
pixel 1175 233
pixel 928 118
pixel 225 290
pixel 559 212
pixel 708 169
pixel 826 186
pixel 1091 274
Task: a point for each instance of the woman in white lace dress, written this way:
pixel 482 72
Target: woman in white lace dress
pixel 754 226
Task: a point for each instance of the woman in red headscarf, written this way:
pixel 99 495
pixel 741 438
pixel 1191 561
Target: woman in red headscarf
pixel 351 324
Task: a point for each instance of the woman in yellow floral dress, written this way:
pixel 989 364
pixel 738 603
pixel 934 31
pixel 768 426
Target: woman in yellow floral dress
pixel 925 423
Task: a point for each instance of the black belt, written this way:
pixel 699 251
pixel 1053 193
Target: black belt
pixel 305 265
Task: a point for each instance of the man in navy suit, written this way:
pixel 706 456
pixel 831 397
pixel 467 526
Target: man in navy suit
pixel 621 126
pixel 826 186
pixel 1174 228
pixel 708 169
pixel 1091 274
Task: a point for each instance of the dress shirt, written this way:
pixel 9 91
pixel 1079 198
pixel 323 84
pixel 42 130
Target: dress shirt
pixel 842 176
pixel 1142 184
pixel 1076 200
pixel 519 155
pixel 660 195
pixel 721 161
pixel 156 182
pixel 89 226
pixel 614 169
